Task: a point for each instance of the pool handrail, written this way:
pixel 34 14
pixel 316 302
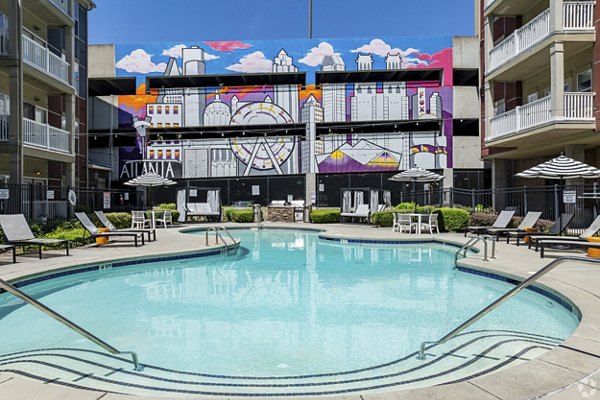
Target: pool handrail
pixel 219 236
pixel 68 323
pixel 547 268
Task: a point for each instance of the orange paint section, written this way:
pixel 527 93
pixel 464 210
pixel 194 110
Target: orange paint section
pixel 140 99
pixel 310 89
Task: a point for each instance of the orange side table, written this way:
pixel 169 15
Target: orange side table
pixel 102 240
pixel 591 251
pixel 526 238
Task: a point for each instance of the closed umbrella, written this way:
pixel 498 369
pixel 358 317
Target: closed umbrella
pixel 149 180
pixel 561 168
pixel 415 175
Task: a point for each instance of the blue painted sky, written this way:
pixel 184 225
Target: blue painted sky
pixel 131 21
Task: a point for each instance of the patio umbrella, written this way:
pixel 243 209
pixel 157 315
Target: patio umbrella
pixel 149 180
pixel 561 168
pixel 415 175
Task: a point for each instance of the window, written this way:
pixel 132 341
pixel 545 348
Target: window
pixel 499 107
pixel 4 104
pixel 532 97
pixel 150 109
pixel 175 109
pixel 159 109
pixel 167 109
pixel 584 81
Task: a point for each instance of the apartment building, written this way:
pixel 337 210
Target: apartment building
pixel 43 90
pixel 540 75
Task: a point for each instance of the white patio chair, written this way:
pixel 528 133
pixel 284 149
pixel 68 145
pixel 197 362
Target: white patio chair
pixel 402 222
pixel 432 223
pixel 166 218
pixel 139 220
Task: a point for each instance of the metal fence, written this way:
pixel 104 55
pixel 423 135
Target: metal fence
pixel 581 200
pixel 45 203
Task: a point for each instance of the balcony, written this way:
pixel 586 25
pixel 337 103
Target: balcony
pixel 577 17
pixel 3 42
pixel 44 136
pixel 40 57
pixel 62 5
pixel 4 132
pixel 578 107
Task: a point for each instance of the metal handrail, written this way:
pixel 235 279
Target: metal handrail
pixel 69 324
pixel 549 267
pixel 222 228
pixel 218 236
pixel 471 244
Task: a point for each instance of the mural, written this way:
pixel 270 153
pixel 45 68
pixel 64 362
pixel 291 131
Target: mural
pixel 287 104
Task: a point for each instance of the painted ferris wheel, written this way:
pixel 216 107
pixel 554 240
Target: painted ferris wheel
pixel 262 153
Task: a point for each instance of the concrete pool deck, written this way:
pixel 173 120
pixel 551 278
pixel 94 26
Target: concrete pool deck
pixel 570 371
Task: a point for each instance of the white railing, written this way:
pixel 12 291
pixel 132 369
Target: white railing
pixel 63 5
pixel 489 3
pixel 45 136
pixel 3 41
pixel 38 56
pixel 520 40
pixel 578 15
pixel 577 106
pixel 4 131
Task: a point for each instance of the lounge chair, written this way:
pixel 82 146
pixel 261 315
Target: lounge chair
pixel 501 221
pixel 529 221
pixel 590 231
pixel 8 247
pixel 17 232
pixel 95 233
pixel 106 222
pixel 362 211
pixel 555 230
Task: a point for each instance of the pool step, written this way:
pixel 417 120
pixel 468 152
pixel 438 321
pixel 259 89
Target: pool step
pixel 468 355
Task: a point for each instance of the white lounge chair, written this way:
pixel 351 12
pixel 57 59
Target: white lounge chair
pixel 362 211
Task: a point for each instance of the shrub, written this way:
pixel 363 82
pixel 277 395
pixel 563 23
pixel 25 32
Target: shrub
pixel 240 214
pixel 120 220
pixel 482 219
pixel 406 206
pixel 325 216
pixel 77 236
pixel 167 206
pixel 452 219
pixel 383 218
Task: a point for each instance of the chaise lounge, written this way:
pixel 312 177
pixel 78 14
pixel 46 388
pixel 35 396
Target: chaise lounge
pixel 529 221
pixel 555 230
pixel 501 222
pixel 95 233
pixel 17 232
pixel 362 211
pixel 106 222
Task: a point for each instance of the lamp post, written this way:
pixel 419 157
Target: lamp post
pixel 310 12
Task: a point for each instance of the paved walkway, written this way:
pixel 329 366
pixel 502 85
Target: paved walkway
pixel 571 371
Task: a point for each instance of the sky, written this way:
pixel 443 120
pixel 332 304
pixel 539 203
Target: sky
pixel 135 21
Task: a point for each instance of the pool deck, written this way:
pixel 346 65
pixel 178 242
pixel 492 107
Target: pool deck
pixel 570 371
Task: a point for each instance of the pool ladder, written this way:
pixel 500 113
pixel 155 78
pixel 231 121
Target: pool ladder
pixel 547 268
pixel 69 324
pixel 219 237
pixel 471 245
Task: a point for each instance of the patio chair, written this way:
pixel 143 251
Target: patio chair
pixel 8 247
pixel 529 221
pixel 362 211
pixel 501 221
pixel 17 232
pixel 433 223
pixel 95 233
pixel 555 230
pixel 151 232
pixel 542 242
pixel 166 218
pixel 401 222
pixel 139 220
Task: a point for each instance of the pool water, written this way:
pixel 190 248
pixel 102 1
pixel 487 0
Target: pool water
pixel 287 305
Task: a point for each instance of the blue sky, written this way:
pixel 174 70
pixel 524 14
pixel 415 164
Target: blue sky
pixel 131 21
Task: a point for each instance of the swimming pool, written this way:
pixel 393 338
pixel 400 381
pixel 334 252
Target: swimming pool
pixel 290 314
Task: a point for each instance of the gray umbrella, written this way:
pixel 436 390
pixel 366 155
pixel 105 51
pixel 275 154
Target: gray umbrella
pixel 149 180
pixel 415 175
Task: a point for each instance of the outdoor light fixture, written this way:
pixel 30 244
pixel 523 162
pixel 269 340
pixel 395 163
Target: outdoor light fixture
pixel 37 172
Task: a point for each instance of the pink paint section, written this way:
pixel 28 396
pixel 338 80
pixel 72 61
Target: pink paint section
pixel 441 59
pixel 228 45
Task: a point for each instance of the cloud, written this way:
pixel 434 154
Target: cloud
pixel 177 52
pixel 315 56
pixel 253 62
pixel 382 49
pixel 140 61
pixel 228 45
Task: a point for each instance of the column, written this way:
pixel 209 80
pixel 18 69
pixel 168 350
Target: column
pixel 557 79
pixel 499 180
pixel 556 15
pixel 489 108
pixel 70 104
pixel 488 41
pixel 310 188
pixel 15 77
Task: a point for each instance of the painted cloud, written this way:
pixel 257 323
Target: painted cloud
pixel 315 56
pixel 228 45
pixel 140 61
pixel 253 62
pixel 176 52
pixel 411 57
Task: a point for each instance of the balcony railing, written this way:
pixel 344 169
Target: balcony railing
pixel 577 16
pixel 40 57
pixel 63 5
pixel 44 136
pixel 577 107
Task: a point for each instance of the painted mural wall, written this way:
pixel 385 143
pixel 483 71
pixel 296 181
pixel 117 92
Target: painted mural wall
pixel 248 155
